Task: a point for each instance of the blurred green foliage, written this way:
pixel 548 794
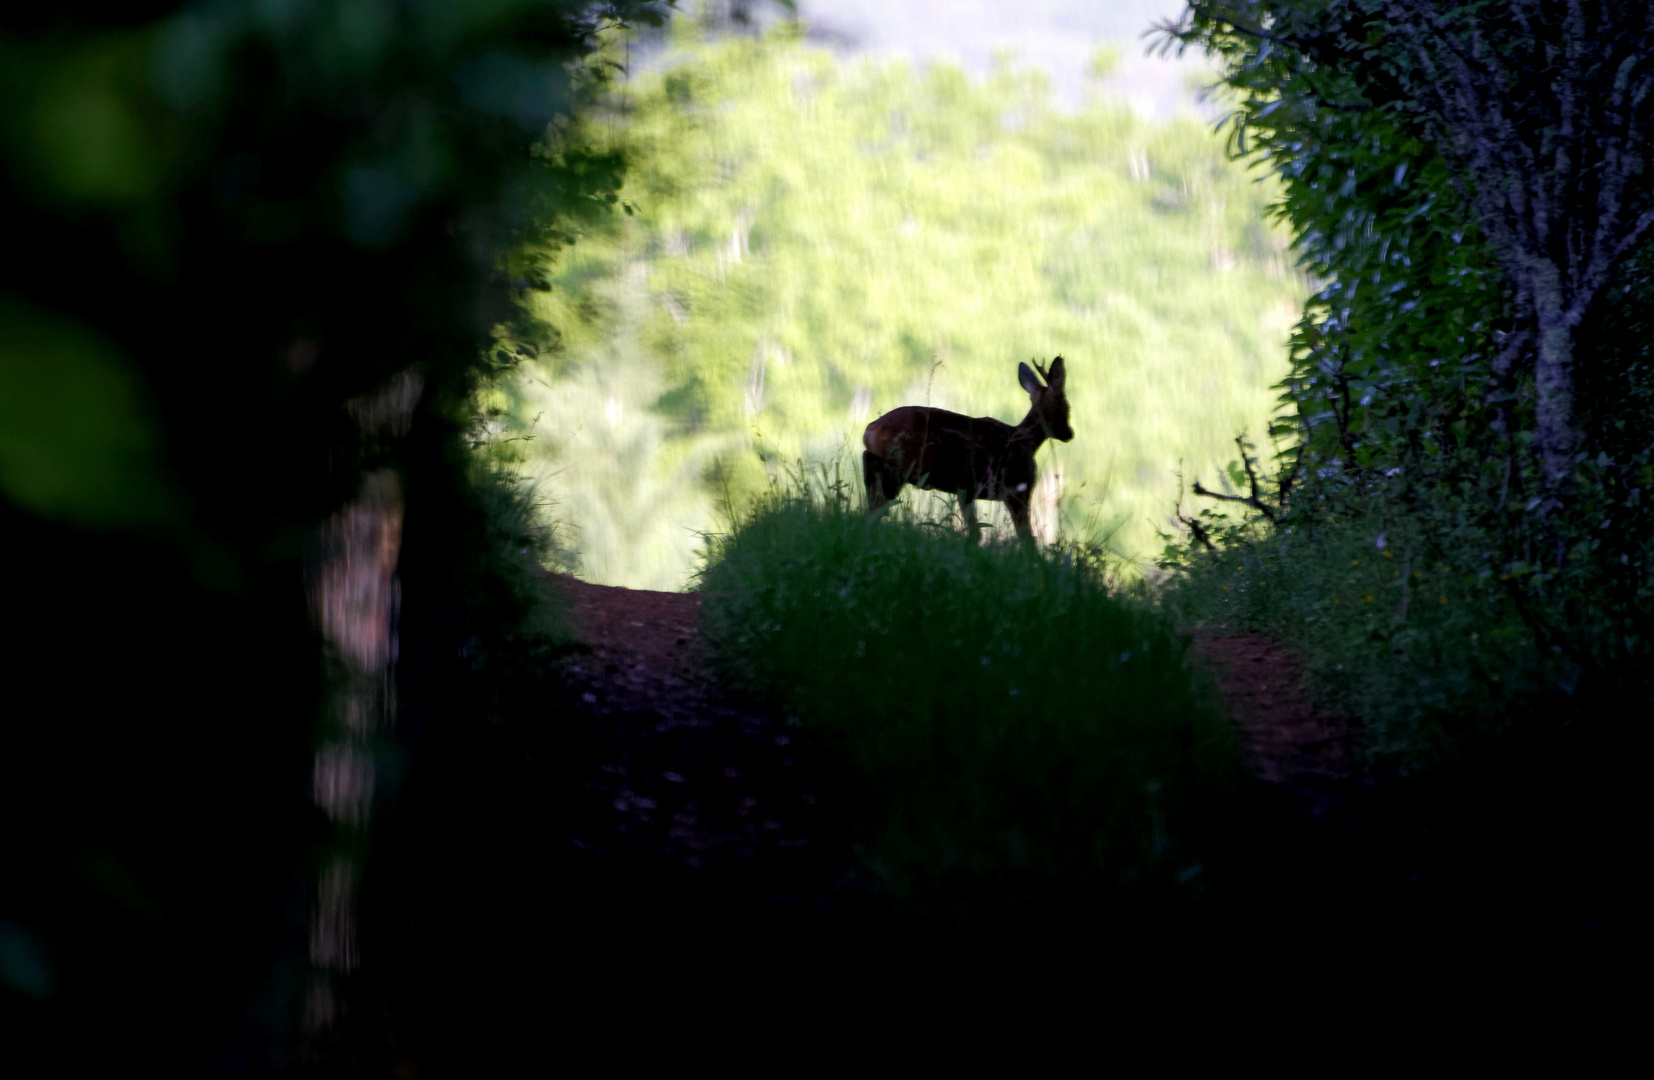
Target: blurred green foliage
pixel 78 438
pixel 804 243
pixel 233 228
pixel 1015 719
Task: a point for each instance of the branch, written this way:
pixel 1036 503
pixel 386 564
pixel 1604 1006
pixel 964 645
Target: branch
pixel 1634 234
pixel 1516 342
pixel 1254 500
pixel 1321 99
pixel 1287 478
pixel 1294 44
pixel 1247 500
pixel 1196 530
pixel 1426 14
pixel 1242 26
pixel 1201 489
pixel 1251 477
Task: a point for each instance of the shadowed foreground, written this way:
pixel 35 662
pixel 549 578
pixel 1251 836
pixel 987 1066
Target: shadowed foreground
pixel 651 840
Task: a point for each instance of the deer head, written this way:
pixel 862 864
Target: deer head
pixel 1050 405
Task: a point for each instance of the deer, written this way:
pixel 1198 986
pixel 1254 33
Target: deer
pixel 970 457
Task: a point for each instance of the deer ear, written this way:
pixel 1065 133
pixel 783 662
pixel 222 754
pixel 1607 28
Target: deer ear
pixel 1056 375
pixel 1029 381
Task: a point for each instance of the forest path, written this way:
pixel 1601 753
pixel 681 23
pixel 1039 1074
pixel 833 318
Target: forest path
pixel 1289 739
pixel 688 762
pixel 676 769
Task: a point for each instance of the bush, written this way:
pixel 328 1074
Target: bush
pixel 1417 638
pixel 1010 717
pixel 1459 568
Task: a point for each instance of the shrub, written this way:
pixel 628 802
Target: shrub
pixel 1417 638
pixel 1011 718
pixel 1433 417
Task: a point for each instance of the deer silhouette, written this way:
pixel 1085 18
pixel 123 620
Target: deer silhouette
pixel 971 457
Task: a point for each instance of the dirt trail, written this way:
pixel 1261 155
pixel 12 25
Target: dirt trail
pixel 678 769
pixel 686 772
pixel 646 649
pixel 1289 739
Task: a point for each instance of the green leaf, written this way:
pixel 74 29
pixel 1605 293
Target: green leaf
pixel 77 439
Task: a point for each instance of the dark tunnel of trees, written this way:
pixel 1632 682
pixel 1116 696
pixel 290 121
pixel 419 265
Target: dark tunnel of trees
pixel 260 258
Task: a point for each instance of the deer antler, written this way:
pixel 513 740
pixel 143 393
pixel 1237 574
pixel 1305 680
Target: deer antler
pixel 1039 367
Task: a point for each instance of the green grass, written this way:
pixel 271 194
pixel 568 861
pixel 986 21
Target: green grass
pixel 1012 719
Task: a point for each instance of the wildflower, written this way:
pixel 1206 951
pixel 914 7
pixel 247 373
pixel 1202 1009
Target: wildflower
pixel 1369 598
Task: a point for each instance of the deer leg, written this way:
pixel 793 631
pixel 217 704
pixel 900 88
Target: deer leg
pixel 1019 518
pixel 967 510
pixel 882 487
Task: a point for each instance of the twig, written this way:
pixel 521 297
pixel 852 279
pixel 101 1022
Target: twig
pixel 1254 500
pixel 1197 530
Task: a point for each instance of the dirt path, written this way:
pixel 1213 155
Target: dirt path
pixel 1288 738
pixel 687 773
pixel 706 838
pixel 695 810
pixel 679 771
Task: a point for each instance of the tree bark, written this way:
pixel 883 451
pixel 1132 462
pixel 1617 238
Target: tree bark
pixel 1555 433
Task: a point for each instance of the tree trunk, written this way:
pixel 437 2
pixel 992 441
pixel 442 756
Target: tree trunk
pixel 1554 428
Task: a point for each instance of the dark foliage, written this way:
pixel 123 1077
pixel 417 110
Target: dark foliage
pixel 228 222
pixel 1459 527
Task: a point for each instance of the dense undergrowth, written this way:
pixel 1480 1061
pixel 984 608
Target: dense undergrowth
pixel 1014 719
pixel 1417 640
pixel 1456 528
